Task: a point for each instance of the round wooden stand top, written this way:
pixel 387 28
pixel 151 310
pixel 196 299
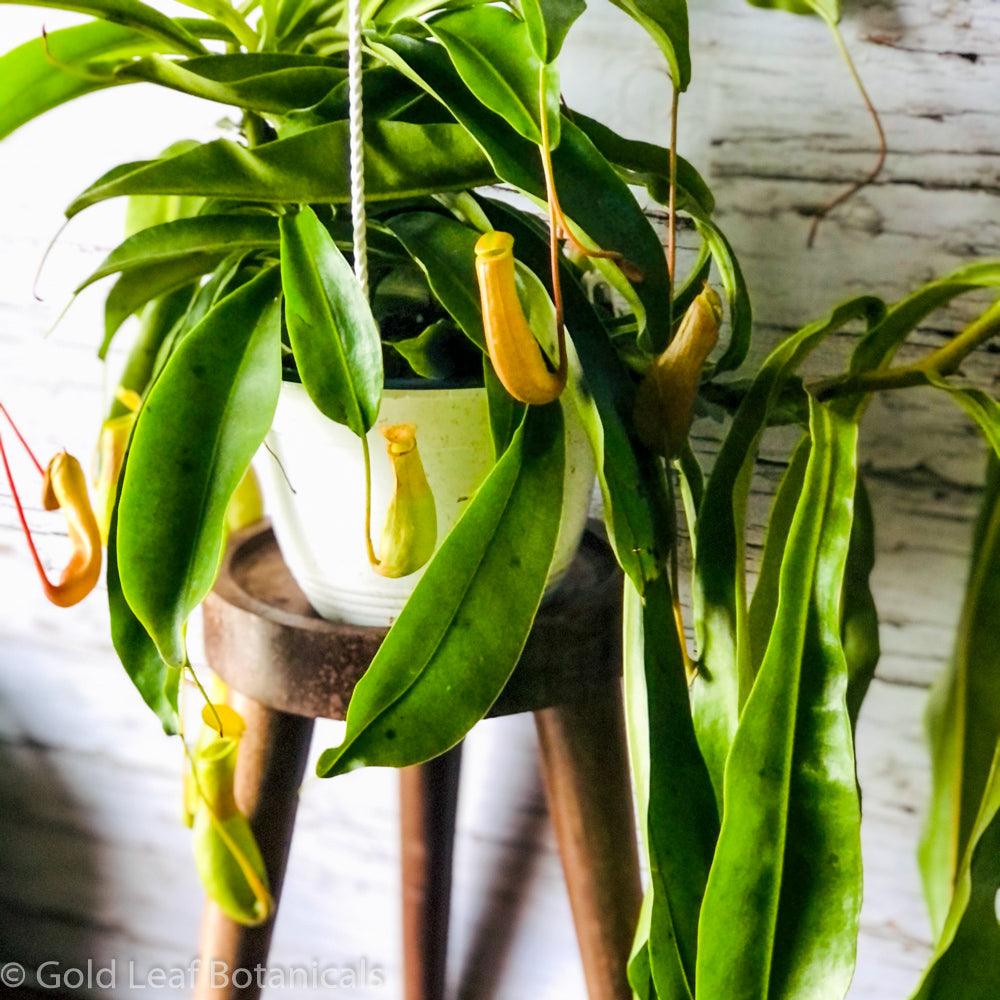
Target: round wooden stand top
pixel 265 640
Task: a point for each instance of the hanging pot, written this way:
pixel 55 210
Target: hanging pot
pixel 312 476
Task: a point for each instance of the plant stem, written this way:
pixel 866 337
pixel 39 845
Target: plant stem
pixel 946 360
pixel 555 215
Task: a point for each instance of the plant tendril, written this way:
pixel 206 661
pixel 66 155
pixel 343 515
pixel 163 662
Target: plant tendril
pixel 872 174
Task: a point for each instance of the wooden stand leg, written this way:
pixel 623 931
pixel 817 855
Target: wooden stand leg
pixel 269 771
pixel 428 798
pixel 585 767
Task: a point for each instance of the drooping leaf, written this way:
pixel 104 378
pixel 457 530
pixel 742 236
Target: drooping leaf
pixel 666 21
pixel 41 85
pixel 142 285
pixel 445 250
pixel 156 681
pixel 879 345
pixel 492 52
pixel 130 14
pixel 764 604
pixel 963 714
pixel 438 352
pixel 780 916
pixel 829 10
pixel 457 640
pixel 859 625
pixel 212 236
pixel 647 164
pixel 548 23
pixel 719 584
pixel 592 194
pixel 964 965
pixel 276 90
pixel 333 334
pixel 980 406
pixel 158 319
pixel 677 807
pixel 203 419
pixel 737 295
pixel 401 160
pixel 506 413
pixel 224 279
pixel 145 210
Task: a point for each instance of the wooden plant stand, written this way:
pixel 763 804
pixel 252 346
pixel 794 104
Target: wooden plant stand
pixel 287 667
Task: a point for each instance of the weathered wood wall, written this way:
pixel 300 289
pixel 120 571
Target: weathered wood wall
pixel 94 861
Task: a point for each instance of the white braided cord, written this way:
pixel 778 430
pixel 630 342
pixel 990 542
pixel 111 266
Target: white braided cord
pixel 359 221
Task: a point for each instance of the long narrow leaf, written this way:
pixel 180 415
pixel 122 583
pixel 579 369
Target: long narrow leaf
pixel 204 419
pixel 455 644
pixel 207 235
pixel 964 965
pixel 130 14
pixel 780 916
pixel 333 333
pixel 446 252
pixel 401 160
pixel 677 807
pixel 725 672
pixel 963 714
pixel 278 91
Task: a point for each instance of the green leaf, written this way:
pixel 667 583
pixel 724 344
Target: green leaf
pixel 41 84
pixel 648 165
pixel 737 295
pixel 506 413
pixel 493 54
pixel 437 352
pixel 272 90
pixel 764 604
pixel 157 682
pixel 963 714
pixel 591 192
pixel 158 319
pixel 878 346
pixel 459 637
pixel 445 250
pixel 142 285
pixel 402 160
pixel 780 916
pixel 225 278
pixel 829 10
pixel 330 325
pixel 143 211
pixel 980 406
pixel 548 23
pixel 130 14
pixel 964 965
pixel 211 236
pixel 859 619
pixel 859 624
pixel 677 806
pixel 666 21
pixel 721 615
pixel 201 423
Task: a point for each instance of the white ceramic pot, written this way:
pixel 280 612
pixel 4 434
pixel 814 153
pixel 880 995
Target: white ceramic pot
pixel 312 477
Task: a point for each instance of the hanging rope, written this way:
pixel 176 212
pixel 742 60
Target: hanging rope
pixel 357 143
